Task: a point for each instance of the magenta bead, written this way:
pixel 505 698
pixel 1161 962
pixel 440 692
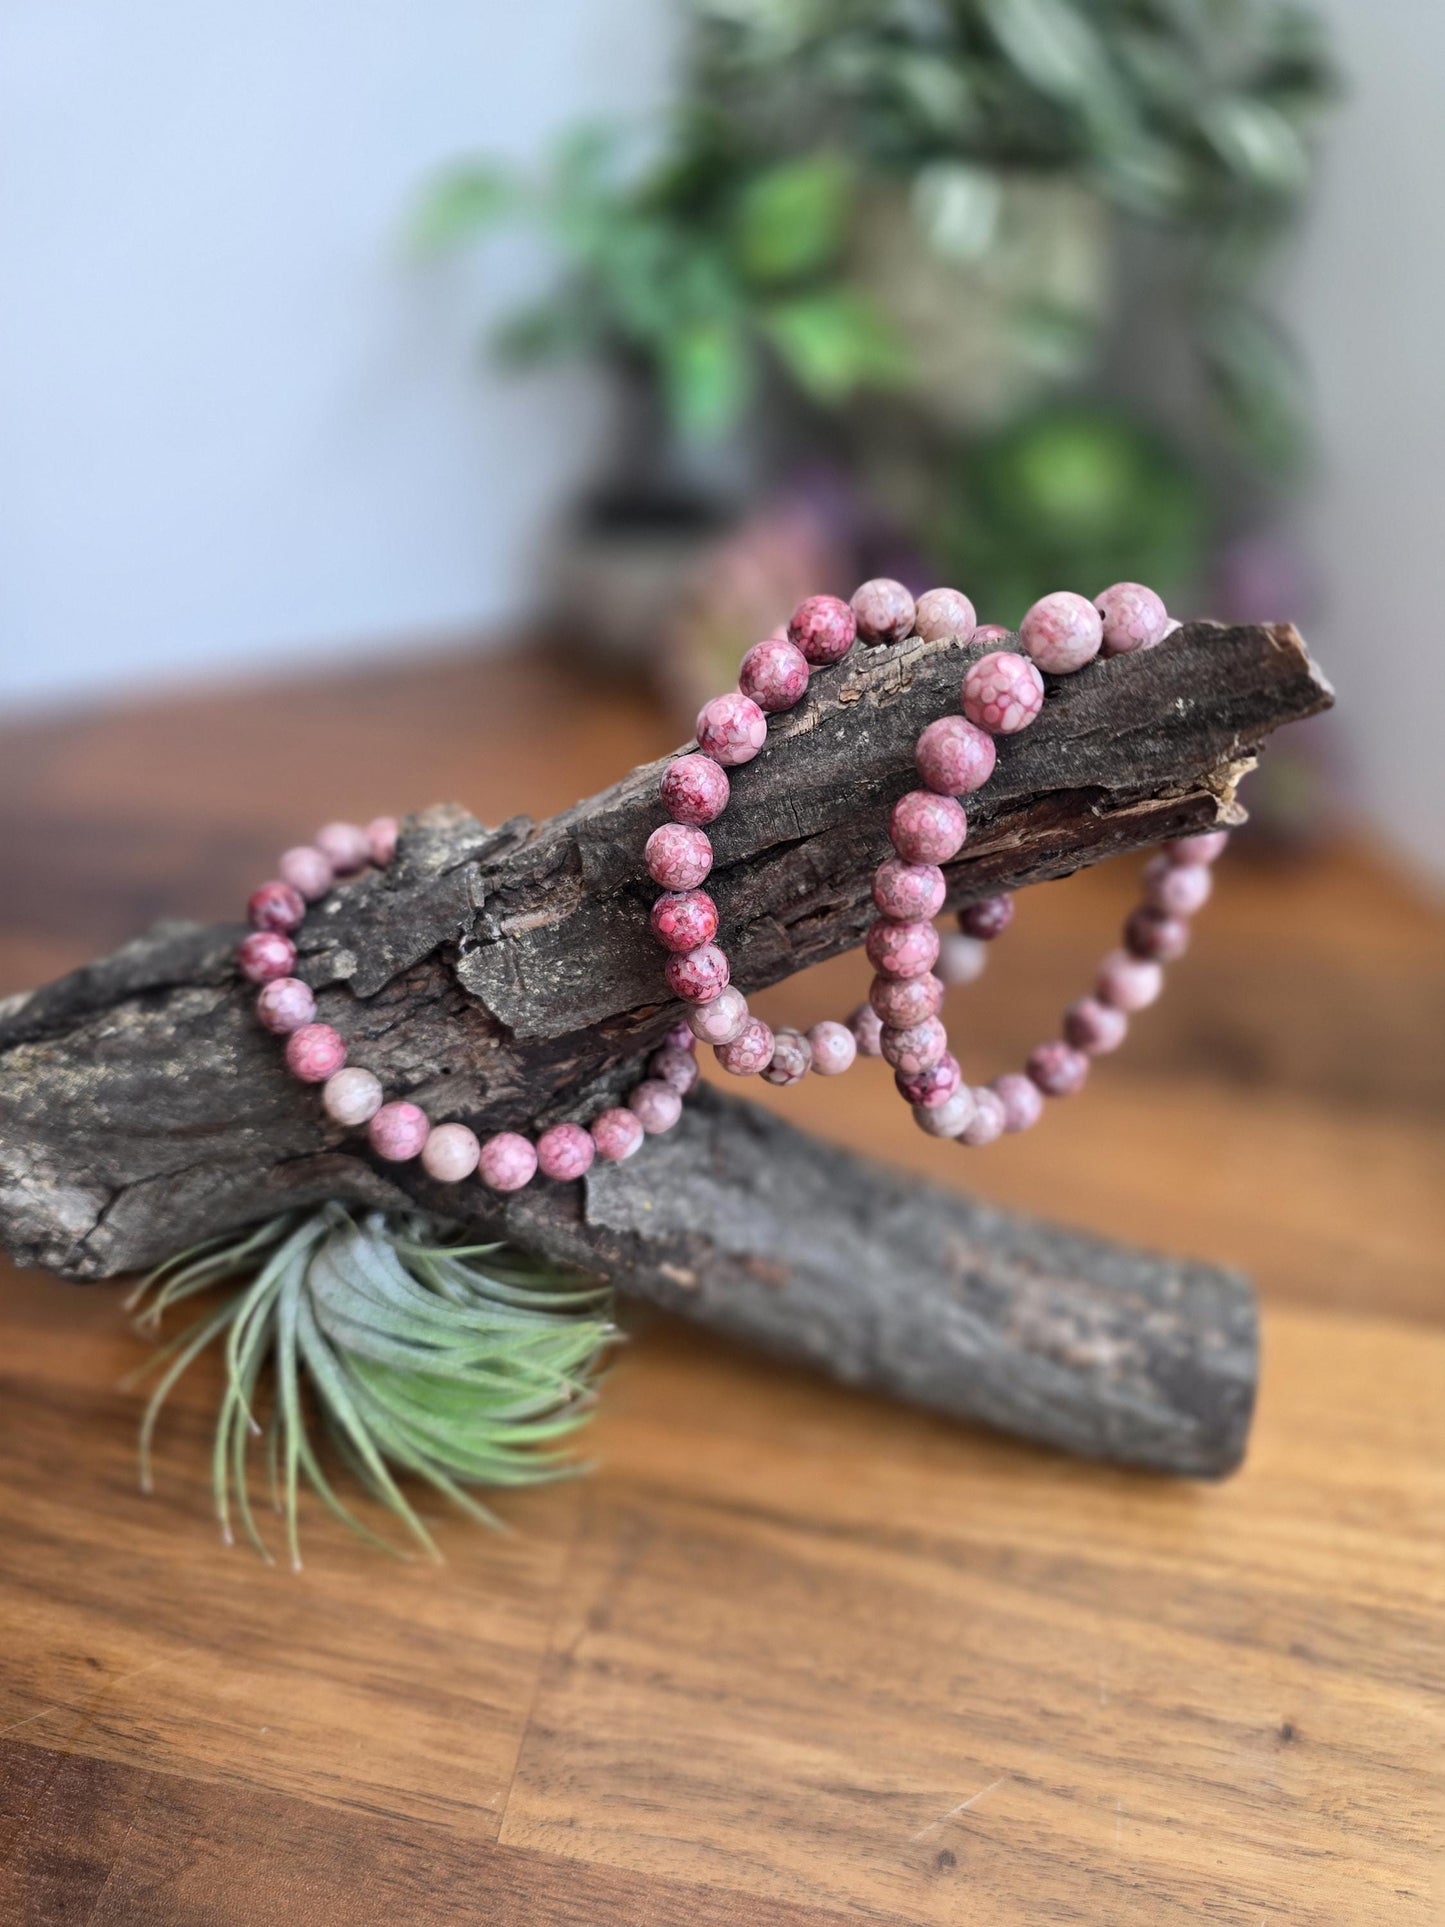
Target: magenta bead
pixel 926 828
pixel 867 1028
pixel 675 1067
pixel 1177 889
pixel 1206 848
pixel 731 729
pixel 314 1053
pixel 276 906
pixel 1022 1100
pixel 774 674
pixel 1061 632
pixel 507 1162
pixel 928 1089
pixel 992 632
pixel 883 609
pixel 1128 983
pixel 989 1120
pixel 617 1134
pixel 823 628
pixel 916 1049
pixel 694 789
pixel 697 976
pixel 565 1152
pixel 1058 1069
pixel 381 838
pixel 655 1105
pixel 1149 933
pixel 1132 617
pixel 346 845
pixel 948 1119
pixel 451 1153
pixel 961 959
pixel 954 756
pixel 285 1005
pixel 902 949
pixel 908 891
pixel 944 613
pixel 307 870
pixel 264 956
pixel 678 1038
pixel 678 857
pixel 834 1047
pixel 1002 692
pixel 791 1060
pixel 902 1002
pixel 684 920
pixel 721 1019
pixel 1094 1028
pixel 750 1052
pixel 986 919
pixel 399 1131
pixel 352 1096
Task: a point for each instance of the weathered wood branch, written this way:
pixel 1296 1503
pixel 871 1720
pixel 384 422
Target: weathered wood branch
pixel 507 976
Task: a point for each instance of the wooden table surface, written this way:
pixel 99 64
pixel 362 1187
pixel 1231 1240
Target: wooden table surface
pixel 791 1655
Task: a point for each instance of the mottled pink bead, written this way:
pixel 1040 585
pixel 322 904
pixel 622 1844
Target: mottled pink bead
pixel 993 632
pixel 791 1060
pixel 285 1005
pixel 731 729
pixel 1094 1028
pixel 834 1046
pixel 986 919
pixel 916 1049
pixel 314 1053
pixel 719 1021
pixel 352 1096
pixel 988 1121
pixel 1133 617
pixel 1058 1069
pixel 675 1067
pixel 908 891
pixel 928 1089
pixel 750 1052
pixel 1128 983
pixel 508 1161
pixel 947 1119
pixel 694 789
pixel 902 1002
pixel 1002 692
pixel 823 627
pixel 1061 632
pixel 1206 848
pixel 955 756
pixel 697 976
pixel 961 959
pixel 774 674
pixel 1149 933
pixel 944 612
pixel 1178 889
pixel 884 610
pixel 867 1028
pixel 902 949
pixel 678 856
pixel 264 956
pixel 307 869
pixel 276 906
pixel 684 919
pixel 655 1105
pixel 399 1131
pixel 617 1134
pixel 381 837
pixel 346 845
pixel 678 1038
pixel 927 828
pixel 450 1153
pixel 1022 1100
pixel 565 1152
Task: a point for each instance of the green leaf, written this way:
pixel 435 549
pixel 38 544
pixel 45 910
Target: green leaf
pixel 833 344
pixel 462 204
pixel 792 219
pixel 707 374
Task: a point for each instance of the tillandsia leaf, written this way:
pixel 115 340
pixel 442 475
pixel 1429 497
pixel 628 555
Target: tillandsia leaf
pixel 462 1365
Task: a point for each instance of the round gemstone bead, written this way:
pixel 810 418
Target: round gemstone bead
pixel 565 1152
pixel 399 1131
pixel 902 949
pixel 961 959
pixel 986 919
pixel 308 870
pixel 774 674
pixel 617 1134
pixel 684 919
pixel 928 1089
pixel 1128 983
pixel 285 1005
pixel 381 838
pixel 1149 933
pixel 276 906
pixel 867 1028
pixel 1058 1069
pixel 731 729
pixel 264 956
pixel 1022 1100
pixel 927 828
pixel 948 1119
pixel 675 1067
pixel 1178 889
pixel 834 1048
pixel 721 1020
pixel 450 1153
pixel 908 891
pixel 791 1060
pixel 883 609
pixel 1002 692
pixel 750 1051
pixel 988 1121
pixel 697 976
pixel 678 856
pixel 345 845
pixel 507 1162
pixel 916 1049
pixel 955 756
pixel 1132 616
pixel 678 1038
pixel 993 632
pixel 941 613
pixel 902 1002
pixel 352 1097
pixel 694 789
pixel 1205 848
pixel 1094 1028
pixel 655 1105
pixel 1061 632
pixel 314 1053
pixel 823 627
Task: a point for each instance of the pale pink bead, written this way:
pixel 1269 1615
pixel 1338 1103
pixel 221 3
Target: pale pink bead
pixel 947 1119
pixel 989 1120
pixel 908 891
pixel 1170 628
pixel 1058 1069
pixel 926 828
pixel 264 956
pixel 314 1053
pixel 961 959
pixel 352 1096
pixel 655 1105
pixel 1206 848
pixel 1002 692
pixel 1022 1100
pixel 306 869
pixel 835 1048
pixel 1094 1028
pixel 750 1051
pixel 1149 933
pixel 955 756
pixel 916 1049
pixel 867 1028
pixel 694 789
pixel 450 1153
pixel 565 1152
pixel 508 1161
pixel 1178 889
pixel 774 674
pixel 697 976
pixel 721 1020
pixel 993 632
pixel 902 949
pixel 902 1002
pixel 986 919
pixel 675 1067
pixel 399 1131
pixel 928 1089
pixel 276 906
pixel 1133 617
pixel 346 845
pixel 1128 983
pixel 731 729
pixel 381 836
pixel 884 610
pixel 285 1005
pixel 617 1134
pixel 1061 632
pixel 678 1038
pixel 678 857
pixel 944 612
pixel 791 1060
pixel 684 919
pixel 823 627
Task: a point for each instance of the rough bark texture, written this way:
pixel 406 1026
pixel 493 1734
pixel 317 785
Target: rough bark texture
pixel 507 976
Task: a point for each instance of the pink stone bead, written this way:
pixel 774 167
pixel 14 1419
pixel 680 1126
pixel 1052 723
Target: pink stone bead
pixel 1178 889
pixel 314 1053
pixel 264 956
pixel 1094 1028
pixel 655 1105
pixel 902 1002
pixel 565 1152
pixel 1022 1100
pixel 1149 933
pixel 1061 632
pixel 954 756
pixel 352 1096
pixel 823 627
pixel 508 1161
pixel 1002 692
pixel 1128 983
pixel 381 837
pixel 902 949
pixel 884 610
pixel 1133 617
pixel 961 959
pixel 346 845
pixel 916 1049
pixel 1171 628
pixel 989 1120
pixel 276 906
pixel 993 632
pixel 285 1005
pixel 1206 848
pixel 721 1020
pixel 941 613
pixel 926 828
pixel 694 789
pixel 867 1028
pixel 791 1060
pixel 908 891
pixel 750 1052
pixel 1058 1069
pixel 685 919
pixel 928 1089
pixel 986 919
pixel 399 1131
pixel 677 1068
pixel 451 1153
pixel 617 1134
pixel 678 1038
pixel 678 857
pixel 774 674
pixel 834 1046
pixel 731 729
pixel 308 870
pixel 697 976
pixel 947 1119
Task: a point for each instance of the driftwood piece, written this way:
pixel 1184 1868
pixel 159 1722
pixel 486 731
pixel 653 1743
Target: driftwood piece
pixel 507 976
